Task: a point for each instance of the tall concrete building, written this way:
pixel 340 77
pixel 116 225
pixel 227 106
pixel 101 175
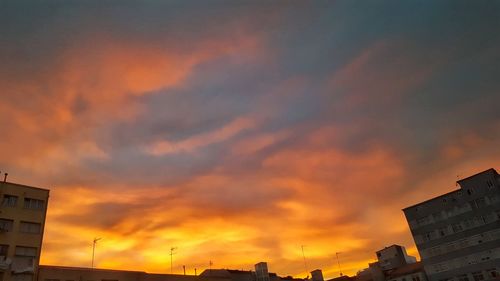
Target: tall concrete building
pixel 22 218
pixel 261 271
pixel 317 275
pixel 394 264
pixel 458 233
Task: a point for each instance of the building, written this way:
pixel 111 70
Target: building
pixel 393 264
pixel 393 257
pixel 458 233
pixel 317 275
pixel 247 275
pixel 409 272
pixel 230 274
pixel 343 278
pixel 261 271
pixel 22 219
pixel 62 273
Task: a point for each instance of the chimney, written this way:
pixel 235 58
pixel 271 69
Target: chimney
pixel 5 177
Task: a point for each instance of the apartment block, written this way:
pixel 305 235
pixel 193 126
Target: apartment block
pixel 393 264
pixel 63 273
pixel 458 233
pixel 22 219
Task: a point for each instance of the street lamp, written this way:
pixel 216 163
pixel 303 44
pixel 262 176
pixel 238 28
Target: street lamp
pixel 93 250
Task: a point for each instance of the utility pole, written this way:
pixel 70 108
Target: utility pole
pixel 338 262
pixel 305 263
pixel 172 249
pixel 93 250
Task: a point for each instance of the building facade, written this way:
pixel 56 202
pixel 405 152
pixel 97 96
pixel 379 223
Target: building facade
pixel 317 275
pixel 458 234
pixel 393 264
pixel 393 257
pixel 261 271
pixel 63 273
pixel 22 218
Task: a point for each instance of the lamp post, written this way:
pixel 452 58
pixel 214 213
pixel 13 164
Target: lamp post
pixel 305 263
pixel 172 249
pixel 338 262
pixel 93 250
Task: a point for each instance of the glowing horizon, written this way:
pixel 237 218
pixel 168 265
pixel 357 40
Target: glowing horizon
pixel 238 132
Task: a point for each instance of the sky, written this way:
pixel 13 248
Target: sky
pixel 240 131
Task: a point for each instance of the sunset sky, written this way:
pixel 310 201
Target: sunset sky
pixel 238 131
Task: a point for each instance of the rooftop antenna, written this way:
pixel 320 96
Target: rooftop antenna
pixel 172 253
pixel 93 250
pixel 304 256
pixel 338 262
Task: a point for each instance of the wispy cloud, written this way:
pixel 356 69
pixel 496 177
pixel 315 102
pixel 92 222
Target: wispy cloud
pixel 238 132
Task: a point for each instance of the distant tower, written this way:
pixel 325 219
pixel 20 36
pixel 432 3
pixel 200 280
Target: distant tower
pixel 261 271
pixel 317 275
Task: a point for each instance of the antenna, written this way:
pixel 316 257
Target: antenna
pixel 458 179
pixel 305 263
pixel 93 250
pixel 172 253
pixel 338 262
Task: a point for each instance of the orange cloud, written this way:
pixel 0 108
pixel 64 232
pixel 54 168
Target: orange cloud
pixel 230 130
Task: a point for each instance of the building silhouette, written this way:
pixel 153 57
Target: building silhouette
pixel 458 233
pixel 393 264
pixel 261 271
pixel 317 275
pixel 22 218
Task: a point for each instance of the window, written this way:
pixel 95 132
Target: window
pixel 6 225
pixel 493 273
pixel 427 236
pixel 9 200
pixel 35 204
pixel 478 276
pixel 457 227
pixel 479 202
pixel 490 185
pixel 25 251
pixel 22 277
pixel 4 249
pixel 494 199
pixel 437 216
pixel 423 220
pixel 416 278
pixel 488 218
pixel 30 227
pixel 442 231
